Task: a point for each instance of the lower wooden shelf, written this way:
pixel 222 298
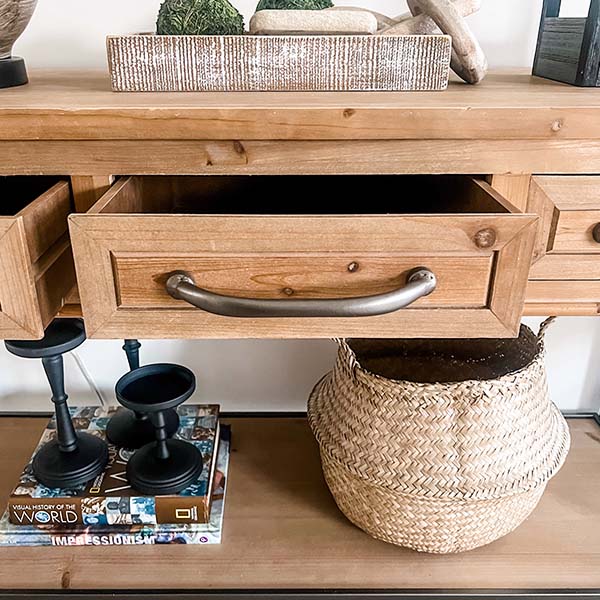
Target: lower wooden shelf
pixel 283 531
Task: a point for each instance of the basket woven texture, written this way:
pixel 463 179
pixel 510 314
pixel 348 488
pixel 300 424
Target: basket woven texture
pixel 438 445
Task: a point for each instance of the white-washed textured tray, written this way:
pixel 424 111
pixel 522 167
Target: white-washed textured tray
pixel 163 63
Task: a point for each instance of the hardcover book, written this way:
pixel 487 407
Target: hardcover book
pixel 121 535
pixel 108 500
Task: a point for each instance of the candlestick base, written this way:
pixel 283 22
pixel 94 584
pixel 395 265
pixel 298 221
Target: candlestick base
pixel 57 469
pixel 12 72
pixel 149 474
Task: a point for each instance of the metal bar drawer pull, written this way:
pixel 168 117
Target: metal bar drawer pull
pixel 421 282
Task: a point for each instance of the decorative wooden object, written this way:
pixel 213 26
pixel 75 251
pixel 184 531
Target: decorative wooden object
pixel 568 49
pixel 432 16
pixel 313 22
pixel 143 63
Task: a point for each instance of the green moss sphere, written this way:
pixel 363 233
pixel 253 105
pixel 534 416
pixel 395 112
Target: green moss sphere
pixel 199 17
pixel 294 4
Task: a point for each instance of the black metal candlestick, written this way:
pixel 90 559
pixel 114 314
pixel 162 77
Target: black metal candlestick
pixel 73 458
pixel 132 429
pixel 166 465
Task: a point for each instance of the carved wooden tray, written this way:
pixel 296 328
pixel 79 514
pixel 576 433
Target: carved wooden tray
pixel 153 63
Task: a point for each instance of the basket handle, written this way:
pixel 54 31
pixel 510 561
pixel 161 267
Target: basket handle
pixel 544 327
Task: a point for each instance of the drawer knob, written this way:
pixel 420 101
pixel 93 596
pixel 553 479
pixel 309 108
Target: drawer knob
pixel 485 238
pixel 421 282
pixel 596 233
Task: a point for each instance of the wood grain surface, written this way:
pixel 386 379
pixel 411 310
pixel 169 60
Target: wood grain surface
pixel 282 529
pixel 507 105
pixel 123 260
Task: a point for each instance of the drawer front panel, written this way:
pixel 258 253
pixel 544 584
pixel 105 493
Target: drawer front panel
pixel 565 275
pixel 574 231
pixel 575 267
pixel 36 265
pixel 462 281
pixel 124 260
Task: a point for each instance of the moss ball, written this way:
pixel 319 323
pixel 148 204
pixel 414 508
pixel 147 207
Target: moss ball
pixel 294 4
pixel 199 17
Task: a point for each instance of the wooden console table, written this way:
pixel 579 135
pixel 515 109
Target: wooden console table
pixel 478 236
pixel 495 188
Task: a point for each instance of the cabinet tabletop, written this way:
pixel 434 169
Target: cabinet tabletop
pixel 508 105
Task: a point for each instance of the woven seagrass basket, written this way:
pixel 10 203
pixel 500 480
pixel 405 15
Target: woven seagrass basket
pixel 438 445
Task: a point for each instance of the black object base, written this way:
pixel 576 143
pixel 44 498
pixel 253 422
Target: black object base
pixel 149 474
pixel 126 430
pixel 56 469
pixel 12 72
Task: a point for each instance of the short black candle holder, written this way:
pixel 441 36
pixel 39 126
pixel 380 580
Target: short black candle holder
pixel 131 429
pixel 73 458
pixel 165 466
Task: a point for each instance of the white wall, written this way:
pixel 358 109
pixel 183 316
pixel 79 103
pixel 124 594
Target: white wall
pixel 267 375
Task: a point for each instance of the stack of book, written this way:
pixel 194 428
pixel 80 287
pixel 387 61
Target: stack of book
pixel 107 511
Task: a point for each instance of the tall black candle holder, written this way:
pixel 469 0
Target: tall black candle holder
pixel 72 458
pixel 132 429
pixel 167 465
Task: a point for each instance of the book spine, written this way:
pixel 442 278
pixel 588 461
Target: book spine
pixel 58 511
pixel 105 538
pixel 44 511
pixel 182 509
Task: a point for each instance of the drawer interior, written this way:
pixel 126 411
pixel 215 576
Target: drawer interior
pixel 302 195
pixel 17 192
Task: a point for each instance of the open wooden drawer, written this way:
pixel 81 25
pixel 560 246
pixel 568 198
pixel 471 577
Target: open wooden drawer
pixel 36 264
pixel 284 239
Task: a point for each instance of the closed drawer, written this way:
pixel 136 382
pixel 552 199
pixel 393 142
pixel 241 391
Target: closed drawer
pixel 565 275
pixel 36 263
pixel 283 239
pixel 570 209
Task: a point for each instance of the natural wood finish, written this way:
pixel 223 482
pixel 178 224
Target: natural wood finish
pixel 283 530
pixel 45 219
pixel 104 240
pixel 569 208
pixel 541 204
pixel 36 265
pixel 514 188
pixel 571 193
pixel 511 125
pixel 567 266
pixel 565 276
pixel 507 292
pixel 191 157
pixel 573 292
pixel 75 105
pixel 88 189
pixel 574 231
pixel 561 309
pixel 141 277
pixel 55 282
pixel 20 315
